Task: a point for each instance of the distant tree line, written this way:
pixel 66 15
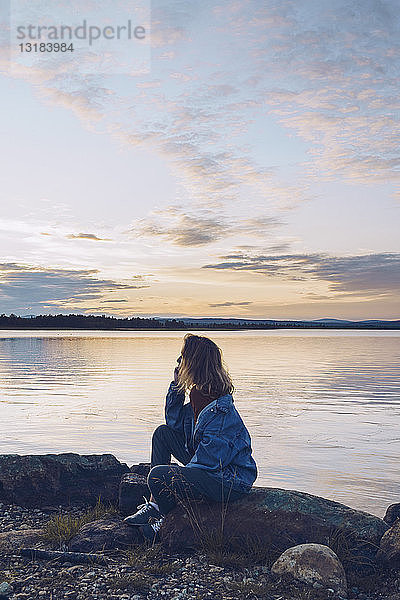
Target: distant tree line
pixel 73 321
pixel 76 321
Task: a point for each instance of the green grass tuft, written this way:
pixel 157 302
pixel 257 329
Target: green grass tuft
pixel 62 527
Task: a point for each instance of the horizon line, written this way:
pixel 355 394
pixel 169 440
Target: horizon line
pixel 194 318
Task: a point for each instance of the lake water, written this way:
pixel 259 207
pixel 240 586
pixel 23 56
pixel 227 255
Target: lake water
pixel 322 407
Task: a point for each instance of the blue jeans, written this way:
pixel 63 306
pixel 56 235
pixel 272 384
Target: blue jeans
pixel 173 484
pixel 167 442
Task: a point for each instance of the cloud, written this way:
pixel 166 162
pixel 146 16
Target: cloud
pixel 9 267
pixel 336 70
pixel 190 109
pixel 23 287
pixel 221 304
pixel 327 71
pixel 86 236
pixel 184 229
pixel 369 274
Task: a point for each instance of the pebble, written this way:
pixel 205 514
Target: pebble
pixel 5 589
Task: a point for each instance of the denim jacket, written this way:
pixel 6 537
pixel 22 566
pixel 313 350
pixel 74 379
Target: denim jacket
pixel 219 441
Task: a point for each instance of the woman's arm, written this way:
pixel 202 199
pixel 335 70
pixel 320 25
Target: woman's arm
pixel 213 453
pixel 174 405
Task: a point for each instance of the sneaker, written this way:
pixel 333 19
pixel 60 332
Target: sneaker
pixel 144 514
pixel 150 531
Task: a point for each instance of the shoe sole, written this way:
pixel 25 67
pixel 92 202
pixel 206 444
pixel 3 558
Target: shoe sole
pixel 134 524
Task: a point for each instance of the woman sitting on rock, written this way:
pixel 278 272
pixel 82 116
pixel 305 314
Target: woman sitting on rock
pixel 207 435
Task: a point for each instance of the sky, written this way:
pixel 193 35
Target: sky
pixel 240 161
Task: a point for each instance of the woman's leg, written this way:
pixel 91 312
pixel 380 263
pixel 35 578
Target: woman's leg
pixel 167 441
pixel 215 489
pixel 172 485
pixel 169 487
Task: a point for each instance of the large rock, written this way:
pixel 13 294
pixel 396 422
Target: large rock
pixel 314 564
pixel 389 549
pixel 277 519
pixel 36 481
pixel 392 514
pixel 132 489
pixel 108 533
pixel 141 469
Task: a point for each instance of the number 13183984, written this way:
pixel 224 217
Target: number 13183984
pixel 46 47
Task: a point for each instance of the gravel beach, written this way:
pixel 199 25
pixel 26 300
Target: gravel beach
pixel 144 572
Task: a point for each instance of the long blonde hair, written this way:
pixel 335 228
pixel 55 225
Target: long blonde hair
pixel 202 366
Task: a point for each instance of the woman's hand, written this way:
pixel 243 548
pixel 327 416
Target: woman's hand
pixel 176 370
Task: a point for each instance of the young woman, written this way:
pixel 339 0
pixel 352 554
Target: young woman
pixel 207 435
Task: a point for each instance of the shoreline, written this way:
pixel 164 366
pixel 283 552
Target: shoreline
pixel 114 323
pixel 143 572
pixel 50 506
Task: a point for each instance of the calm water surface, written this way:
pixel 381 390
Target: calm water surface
pixel 322 407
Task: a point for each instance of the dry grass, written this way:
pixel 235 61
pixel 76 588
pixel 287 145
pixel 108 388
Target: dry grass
pixel 236 552
pixel 352 556
pixel 143 553
pixel 135 581
pixel 62 527
pixel 8 575
pixel 249 589
pixel 219 547
pixel 150 559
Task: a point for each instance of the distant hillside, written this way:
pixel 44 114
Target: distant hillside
pixel 338 321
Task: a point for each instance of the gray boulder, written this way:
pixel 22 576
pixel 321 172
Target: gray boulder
pixel 274 518
pixel 108 533
pixel 278 519
pixel 389 549
pixel 314 564
pixel 392 514
pixel 141 469
pixel 59 479
pixel 132 489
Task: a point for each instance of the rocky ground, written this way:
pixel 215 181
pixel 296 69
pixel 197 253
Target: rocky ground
pixel 143 572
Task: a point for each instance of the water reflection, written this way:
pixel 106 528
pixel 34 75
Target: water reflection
pixel 322 407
